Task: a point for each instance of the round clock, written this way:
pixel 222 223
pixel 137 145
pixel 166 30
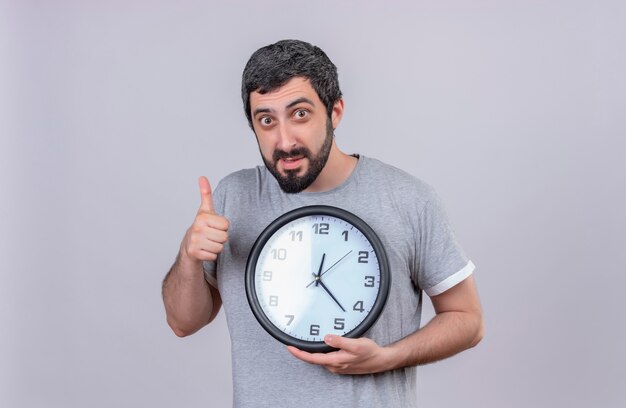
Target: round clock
pixel 314 271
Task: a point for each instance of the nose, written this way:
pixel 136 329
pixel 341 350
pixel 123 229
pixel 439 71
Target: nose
pixel 286 138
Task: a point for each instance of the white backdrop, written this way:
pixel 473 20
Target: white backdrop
pixel 109 111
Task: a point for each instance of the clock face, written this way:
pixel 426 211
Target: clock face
pixel 314 271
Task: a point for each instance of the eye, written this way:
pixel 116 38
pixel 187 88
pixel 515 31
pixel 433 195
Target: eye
pixel 266 121
pixel 301 113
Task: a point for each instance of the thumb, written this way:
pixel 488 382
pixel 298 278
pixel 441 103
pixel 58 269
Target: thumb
pixel 206 195
pixel 333 341
pixel 342 343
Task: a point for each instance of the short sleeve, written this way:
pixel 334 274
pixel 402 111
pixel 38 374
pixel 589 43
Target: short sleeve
pixel 441 263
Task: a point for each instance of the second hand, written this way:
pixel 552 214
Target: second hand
pixel 329 268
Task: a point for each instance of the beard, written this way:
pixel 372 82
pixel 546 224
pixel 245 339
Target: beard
pixel 290 182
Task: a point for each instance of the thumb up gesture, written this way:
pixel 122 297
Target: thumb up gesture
pixel 207 235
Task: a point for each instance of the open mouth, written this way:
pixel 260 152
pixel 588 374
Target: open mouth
pixel 291 163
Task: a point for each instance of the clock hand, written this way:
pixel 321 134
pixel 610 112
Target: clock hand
pixel 319 272
pixel 318 279
pixel 328 291
pixel 331 267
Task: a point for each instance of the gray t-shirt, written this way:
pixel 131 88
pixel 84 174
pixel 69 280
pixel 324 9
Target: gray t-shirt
pixel 423 255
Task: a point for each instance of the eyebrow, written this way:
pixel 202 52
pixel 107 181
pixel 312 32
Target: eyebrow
pixel 289 105
pixel 300 100
pixel 261 110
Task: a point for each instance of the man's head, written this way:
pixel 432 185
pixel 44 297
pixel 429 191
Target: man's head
pixel 270 67
pixel 293 103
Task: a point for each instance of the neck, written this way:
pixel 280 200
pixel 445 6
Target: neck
pixel 337 170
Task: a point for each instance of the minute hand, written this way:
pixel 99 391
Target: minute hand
pixel 331 295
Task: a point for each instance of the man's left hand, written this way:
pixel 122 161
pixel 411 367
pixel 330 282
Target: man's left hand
pixel 355 356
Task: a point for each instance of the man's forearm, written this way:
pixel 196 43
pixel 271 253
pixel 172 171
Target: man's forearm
pixel 457 326
pixel 187 297
pixel 447 334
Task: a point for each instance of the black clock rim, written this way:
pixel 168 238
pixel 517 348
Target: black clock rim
pixel 274 226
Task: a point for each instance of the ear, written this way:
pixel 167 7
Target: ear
pixel 337 113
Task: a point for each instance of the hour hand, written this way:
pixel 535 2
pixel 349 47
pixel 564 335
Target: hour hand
pixel 319 272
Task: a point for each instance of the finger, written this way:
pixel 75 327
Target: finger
pixel 204 219
pixel 206 195
pixel 206 256
pixel 201 253
pixel 311 358
pixel 340 342
pixel 216 235
pixel 210 246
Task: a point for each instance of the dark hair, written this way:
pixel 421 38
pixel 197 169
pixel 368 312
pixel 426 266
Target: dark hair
pixel 274 65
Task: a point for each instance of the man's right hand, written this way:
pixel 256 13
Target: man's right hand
pixel 190 301
pixel 206 237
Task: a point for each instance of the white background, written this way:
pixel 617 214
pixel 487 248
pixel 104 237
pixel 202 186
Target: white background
pixel 109 111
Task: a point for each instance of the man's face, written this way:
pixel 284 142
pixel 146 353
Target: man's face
pixel 294 133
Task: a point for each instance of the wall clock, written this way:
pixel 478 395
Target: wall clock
pixel 314 271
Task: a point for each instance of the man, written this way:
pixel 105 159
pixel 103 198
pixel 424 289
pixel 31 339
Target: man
pixel 293 104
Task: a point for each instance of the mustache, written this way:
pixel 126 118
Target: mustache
pixel 298 151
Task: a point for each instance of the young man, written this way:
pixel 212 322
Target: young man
pixel 293 103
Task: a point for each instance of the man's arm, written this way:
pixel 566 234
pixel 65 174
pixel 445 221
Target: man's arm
pixel 190 302
pixel 457 326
